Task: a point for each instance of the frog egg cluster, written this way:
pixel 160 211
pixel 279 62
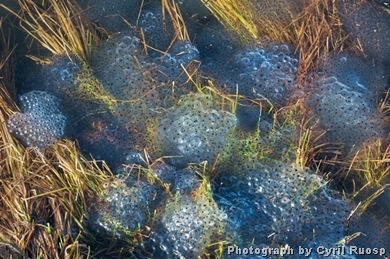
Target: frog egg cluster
pixel 129 201
pixel 130 74
pixel 139 82
pixel 280 204
pixel 127 206
pixel 193 131
pixel 114 15
pixel 127 75
pixel 181 54
pixel 61 75
pixel 367 23
pixel 270 73
pixel 185 227
pixel 157 32
pixel 346 111
pixel 149 22
pixel 116 67
pixel 41 123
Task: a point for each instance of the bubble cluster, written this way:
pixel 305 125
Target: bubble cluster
pixel 280 204
pixel 346 111
pixel 185 227
pixel 41 122
pixel 194 131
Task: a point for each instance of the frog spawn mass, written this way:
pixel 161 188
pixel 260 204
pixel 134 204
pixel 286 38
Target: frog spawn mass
pixel 282 205
pixel 194 132
pixel 41 123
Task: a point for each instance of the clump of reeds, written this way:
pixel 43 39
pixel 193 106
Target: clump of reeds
pixel 307 140
pixel 43 196
pixel 58 26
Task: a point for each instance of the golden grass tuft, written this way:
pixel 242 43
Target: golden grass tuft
pixel 234 15
pixel 58 26
pixel 257 20
pixel 7 83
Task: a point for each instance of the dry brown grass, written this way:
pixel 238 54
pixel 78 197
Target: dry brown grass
pixel 311 145
pixel 44 198
pixel 384 108
pixel 58 26
pixel 318 30
pixel 7 64
pixel 179 26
